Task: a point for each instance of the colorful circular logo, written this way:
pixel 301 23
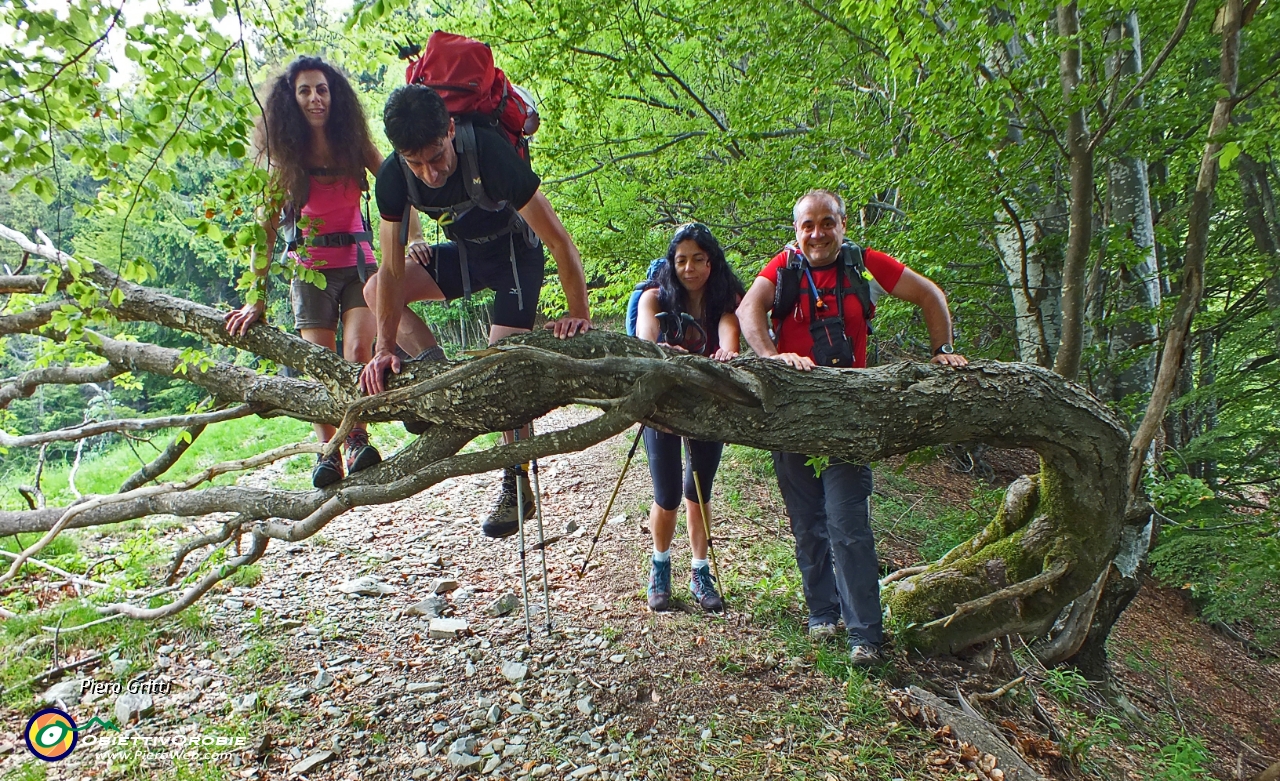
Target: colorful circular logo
pixel 51 734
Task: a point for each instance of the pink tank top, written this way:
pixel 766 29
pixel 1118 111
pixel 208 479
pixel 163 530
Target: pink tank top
pixel 335 208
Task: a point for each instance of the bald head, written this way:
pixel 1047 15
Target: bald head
pixel 829 198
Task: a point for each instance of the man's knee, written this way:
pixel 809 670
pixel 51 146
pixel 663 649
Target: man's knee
pixel 371 290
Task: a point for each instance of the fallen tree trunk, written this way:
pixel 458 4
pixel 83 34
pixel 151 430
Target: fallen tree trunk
pixel 1055 534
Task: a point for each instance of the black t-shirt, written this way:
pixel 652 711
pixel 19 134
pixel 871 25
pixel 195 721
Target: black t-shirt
pixel 506 176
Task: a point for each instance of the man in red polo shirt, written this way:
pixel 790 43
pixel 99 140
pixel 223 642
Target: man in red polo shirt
pixel 830 513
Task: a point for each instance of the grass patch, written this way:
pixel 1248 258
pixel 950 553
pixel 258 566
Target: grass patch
pixel 29 648
pixel 104 471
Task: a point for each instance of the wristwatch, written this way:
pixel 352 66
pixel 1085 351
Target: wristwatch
pixel 944 349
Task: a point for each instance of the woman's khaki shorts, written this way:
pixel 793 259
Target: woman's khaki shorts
pixel 316 308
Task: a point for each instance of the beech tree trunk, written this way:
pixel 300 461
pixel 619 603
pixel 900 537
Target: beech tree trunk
pixel 1260 210
pixel 1027 229
pixel 1120 591
pixel 1080 231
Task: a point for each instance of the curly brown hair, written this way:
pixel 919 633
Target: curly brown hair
pixel 284 135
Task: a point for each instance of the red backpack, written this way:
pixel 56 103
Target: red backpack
pixel 461 69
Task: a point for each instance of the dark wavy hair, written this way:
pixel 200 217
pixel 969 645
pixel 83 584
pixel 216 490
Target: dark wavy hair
pixel 283 133
pixel 723 290
pixel 415 117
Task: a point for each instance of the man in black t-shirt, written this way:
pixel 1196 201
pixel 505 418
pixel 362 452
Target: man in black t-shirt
pixel 496 235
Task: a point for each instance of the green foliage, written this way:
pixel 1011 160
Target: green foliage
pixel 1065 684
pixel 1233 574
pixel 1186 759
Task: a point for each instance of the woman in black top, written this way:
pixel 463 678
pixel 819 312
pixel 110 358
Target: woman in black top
pixel 691 309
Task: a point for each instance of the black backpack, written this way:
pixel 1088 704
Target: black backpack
pixel 787 285
pixel 446 216
pixel 288 225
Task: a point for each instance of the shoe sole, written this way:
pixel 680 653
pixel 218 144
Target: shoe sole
pixel 415 427
pixel 499 531
pixel 368 457
pixel 326 479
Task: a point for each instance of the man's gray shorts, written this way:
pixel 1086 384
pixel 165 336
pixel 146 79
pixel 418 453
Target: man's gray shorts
pixel 316 308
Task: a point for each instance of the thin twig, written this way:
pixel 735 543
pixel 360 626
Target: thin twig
pixel 83 581
pixel 127 424
pixel 1168 686
pixel 998 693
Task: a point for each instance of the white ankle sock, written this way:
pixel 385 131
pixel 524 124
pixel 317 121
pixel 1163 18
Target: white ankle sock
pixel 661 556
pixel 699 563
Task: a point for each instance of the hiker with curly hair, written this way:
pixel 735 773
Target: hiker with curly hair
pixel 691 309
pixel 315 140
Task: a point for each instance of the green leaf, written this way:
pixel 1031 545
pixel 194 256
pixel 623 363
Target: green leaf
pixel 219 9
pixel 1230 151
pixel 159 113
pixel 117 296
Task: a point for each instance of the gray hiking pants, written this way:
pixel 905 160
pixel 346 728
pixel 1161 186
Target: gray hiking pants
pixel 831 520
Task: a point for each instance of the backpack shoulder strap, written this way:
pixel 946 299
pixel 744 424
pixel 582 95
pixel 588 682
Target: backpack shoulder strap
pixel 786 287
pixel 856 272
pixel 470 163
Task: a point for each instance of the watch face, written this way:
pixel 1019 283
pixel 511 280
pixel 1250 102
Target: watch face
pixel 945 349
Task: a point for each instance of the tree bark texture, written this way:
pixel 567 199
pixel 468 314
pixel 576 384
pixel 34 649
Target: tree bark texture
pixel 1080 231
pixel 1260 211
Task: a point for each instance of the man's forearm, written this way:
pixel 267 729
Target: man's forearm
pixel 387 311
pixel 390 294
pixel 573 279
pixel 938 320
pixel 755 330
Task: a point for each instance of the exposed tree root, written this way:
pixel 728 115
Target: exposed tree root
pixel 1013 593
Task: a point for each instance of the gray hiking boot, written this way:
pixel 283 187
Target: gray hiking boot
pixel 864 654
pixel 503 521
pixel 703 585
pixel 659 585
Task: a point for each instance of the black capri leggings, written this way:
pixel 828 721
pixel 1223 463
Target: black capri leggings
pixel 665 467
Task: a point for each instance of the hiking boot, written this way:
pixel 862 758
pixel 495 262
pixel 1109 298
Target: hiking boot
pixel 703 585
pixel 660 585
pixel 864 654
pixel 360 454
pixel 419 427
pixel 503 521
pixel 327 471
pixel 822 632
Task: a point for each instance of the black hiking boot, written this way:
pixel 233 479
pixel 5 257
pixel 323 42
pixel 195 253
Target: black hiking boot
pixel 327 471
pixel 360 454
pixel 503 521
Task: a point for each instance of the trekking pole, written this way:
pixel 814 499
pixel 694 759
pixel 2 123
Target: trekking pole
pixel 706 518
pixel 608 507
pixel 524 574
pixel 542 541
